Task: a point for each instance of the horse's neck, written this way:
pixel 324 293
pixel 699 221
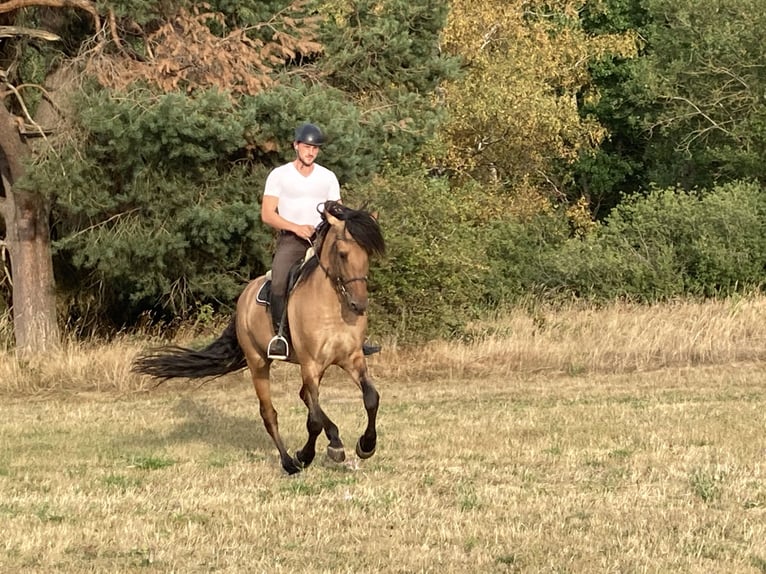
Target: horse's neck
pixel 319 278
pixel 318 303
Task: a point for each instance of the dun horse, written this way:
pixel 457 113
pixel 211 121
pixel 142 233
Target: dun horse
pixel 327 321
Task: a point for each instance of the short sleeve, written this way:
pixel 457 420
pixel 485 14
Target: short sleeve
pixel 273 185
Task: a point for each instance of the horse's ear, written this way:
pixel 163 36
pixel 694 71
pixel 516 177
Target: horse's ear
pixel 330 208
pixel 374 215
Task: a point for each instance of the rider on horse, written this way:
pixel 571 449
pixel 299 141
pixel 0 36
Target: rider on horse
pixel 290 199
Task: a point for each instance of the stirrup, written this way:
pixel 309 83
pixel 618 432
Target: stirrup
pixel 278 348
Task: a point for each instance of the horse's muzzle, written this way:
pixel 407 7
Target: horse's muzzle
pixel 358 307
pixel 357 304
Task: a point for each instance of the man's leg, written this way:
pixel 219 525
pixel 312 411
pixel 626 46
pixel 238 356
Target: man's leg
pixel 289 250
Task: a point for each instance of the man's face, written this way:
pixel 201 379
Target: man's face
pixel 307 153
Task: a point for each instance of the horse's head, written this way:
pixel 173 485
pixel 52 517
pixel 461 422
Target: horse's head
pixel 350 237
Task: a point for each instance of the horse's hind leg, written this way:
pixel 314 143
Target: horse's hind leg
pixel 316 421
pixel 269 416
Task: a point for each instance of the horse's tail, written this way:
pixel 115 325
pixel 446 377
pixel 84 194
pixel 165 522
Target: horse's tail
pixel 222 356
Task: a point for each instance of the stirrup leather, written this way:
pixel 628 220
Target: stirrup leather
pixel 278 348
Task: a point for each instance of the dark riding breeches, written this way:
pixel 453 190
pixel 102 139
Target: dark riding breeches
pixel 290 249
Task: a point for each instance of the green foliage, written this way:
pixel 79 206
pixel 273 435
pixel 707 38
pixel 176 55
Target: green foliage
pixel 240 12
pixel 355 148
pixel 385 56
pixel 172 131
pixel 707 484
pixel 165 254
pixel 709 63
pixel 150 212
pixel 514 115
pixel 669 244
pixel 382 48
pixel 142 11
pixel 243 13
pixel 690 111
pixel 151 462
pixel 624 101
pixel 519 255
pixel 430 284
pixel 717 239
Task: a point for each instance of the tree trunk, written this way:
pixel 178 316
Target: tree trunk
pixel 27 238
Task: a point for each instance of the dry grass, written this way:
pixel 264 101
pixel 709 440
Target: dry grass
pixel 620 338
pixel 620 440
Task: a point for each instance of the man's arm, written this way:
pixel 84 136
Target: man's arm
pixel 270 216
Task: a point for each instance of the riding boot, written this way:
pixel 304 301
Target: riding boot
pixel 278 347
pixel 370 349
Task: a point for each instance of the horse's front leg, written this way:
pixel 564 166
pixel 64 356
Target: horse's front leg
pixel 317 421
pixel 365 446
pixel 269 415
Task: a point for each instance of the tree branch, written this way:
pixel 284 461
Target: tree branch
pixel 22 127
pixel 86 5
pixel 5 202
pixel 116 36
pixel 12 31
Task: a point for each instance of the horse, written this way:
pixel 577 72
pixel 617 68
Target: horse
pixel 327 320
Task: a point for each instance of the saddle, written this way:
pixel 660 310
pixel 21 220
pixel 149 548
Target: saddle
pixel 297 271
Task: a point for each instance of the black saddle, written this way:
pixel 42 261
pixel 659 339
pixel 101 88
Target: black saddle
pixel 263 297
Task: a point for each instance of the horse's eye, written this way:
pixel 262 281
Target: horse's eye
pixel 343 255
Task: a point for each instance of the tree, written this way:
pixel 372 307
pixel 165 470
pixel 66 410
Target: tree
pixel 514 114
pixel 709 69
pixel 180 110
pixel 615 167
pixel 24 211
pixel 689 111
pixel 26 198
pixel 27 241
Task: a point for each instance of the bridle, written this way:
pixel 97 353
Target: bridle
pixel 338 282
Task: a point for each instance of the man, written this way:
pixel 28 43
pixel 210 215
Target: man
pixel 290 199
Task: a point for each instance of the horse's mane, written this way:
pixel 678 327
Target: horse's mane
pixel 360 224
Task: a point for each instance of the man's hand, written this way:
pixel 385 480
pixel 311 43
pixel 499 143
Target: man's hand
pixel 303 231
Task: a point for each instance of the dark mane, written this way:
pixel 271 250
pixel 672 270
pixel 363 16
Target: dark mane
pixel 361 225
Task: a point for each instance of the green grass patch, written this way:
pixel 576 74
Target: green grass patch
pixel 152 462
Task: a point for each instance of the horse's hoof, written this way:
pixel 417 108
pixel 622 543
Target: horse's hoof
pixel 361 453
pixel 336 454
pixel 292 465
pixel 303 460
pixel 299 463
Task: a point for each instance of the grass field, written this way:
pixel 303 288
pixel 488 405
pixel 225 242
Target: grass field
pixel 613 440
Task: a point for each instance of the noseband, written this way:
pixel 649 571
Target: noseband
pixel 340 284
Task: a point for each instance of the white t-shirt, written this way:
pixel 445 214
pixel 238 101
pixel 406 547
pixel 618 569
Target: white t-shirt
pixel 300 195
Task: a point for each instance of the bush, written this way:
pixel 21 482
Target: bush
pixel 431 281
pixel 668 244
pixel 714 242
pixel 520 256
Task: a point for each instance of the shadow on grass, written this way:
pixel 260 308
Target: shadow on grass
pixel 206 423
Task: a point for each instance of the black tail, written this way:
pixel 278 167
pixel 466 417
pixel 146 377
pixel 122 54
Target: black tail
pixel 222 356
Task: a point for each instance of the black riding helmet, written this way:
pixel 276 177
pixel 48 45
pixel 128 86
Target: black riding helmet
pixel 309 134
